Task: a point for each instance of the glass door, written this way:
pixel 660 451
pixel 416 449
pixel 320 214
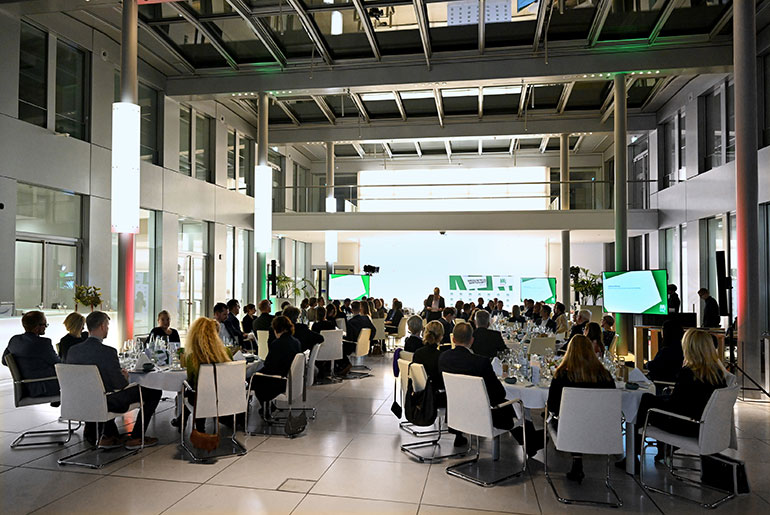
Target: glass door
pixel 192 286
pixel 45 274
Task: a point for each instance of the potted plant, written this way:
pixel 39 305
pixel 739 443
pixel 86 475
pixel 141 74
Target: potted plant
pixel 586 285
pixel 87 296
pixel 303 288
pixel 285 286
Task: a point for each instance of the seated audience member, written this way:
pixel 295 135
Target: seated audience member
pixel 545 318
pixel 413 341
pixel 491 305
pixel 220 315
pixel 307 338
pixel 467 314
pixel 608 331
pixel 285 304
pixel 529 307
pixel 364 309
pixel 164 329
pixel 339 313
pixel 560 317
pixel 303 308
pixel 459 309
pixel 379 309
pixel 461 360
pixel 278 361
pixel 346 309
pixel 702 373
pixel 374 311
pixel 486 342
pixel 247 322
pixel 352 329
pixel 516 315
pixel 115 379
pixel 668 362
pixel 74 323
pixel 536 316
pixel 34 355
pixel 391 325
pixel 580 368
pixel 499 311
pixel 202 347
pixel 234 326
pixel 581 321
pixel 311 305
pixel 325 323
pixel 448 321
pixel 480 303
pixel 265 320
pixel 594 333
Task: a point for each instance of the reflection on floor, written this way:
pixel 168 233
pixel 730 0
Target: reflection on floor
pixel 347 462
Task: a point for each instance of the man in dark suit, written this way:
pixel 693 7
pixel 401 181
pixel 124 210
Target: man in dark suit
pixel 34 355
pixel 711 317
pixel 583 317
pixel 352 330
pixel 233 326
pixel 434 305
pixel 486 342
pixel 529 307
pixel 345 308
pixel 307 338
pixel 115 379
pixel 499 311
pixel 461 360
pixel 545 320
pixel 448 321
pixel 265 319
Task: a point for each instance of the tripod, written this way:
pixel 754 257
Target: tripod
pixel 732 342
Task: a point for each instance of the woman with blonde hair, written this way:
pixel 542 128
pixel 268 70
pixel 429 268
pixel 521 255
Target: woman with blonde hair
pixel 74 323
pixel 203 346
pixel 580 368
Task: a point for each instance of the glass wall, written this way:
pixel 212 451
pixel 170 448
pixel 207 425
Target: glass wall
pixel 243 266
pixel 733 264
pixel 245 165
pixel 202 147
pixel 670 145
pixel 232 178
pixel 715 241
pixel 28 275
pixel 192 271
pixel 229 262
pixel 730 122
pixel 71 91
pixel 639 175
pixel 669 257
pixel 682 144
pixel 684 287
pixel 278 163
pixel 33 75
pixel 145 273
pixel 185 126
pixel 713 136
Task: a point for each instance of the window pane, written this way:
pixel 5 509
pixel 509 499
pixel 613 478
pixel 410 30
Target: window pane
pixel 144 276
pixel 682 145
pixel 684 291
pixel 184 140
pixel 730 123
pixel 670 145
pixel 193 236
pixel 60 274
pixel 202 146
pixel 715 230
pixel 242 268
pixel 734 263
pixel 33 73
pixel 245 168
pixel 229 262
pixel 673 276
pixel 148 101
pixel 46 211
pixel 231 178
pixel 279 181
pixel 28 284
pixel 71 88
pixel 713 131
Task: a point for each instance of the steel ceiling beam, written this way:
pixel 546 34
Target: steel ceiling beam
pixel 288 112
pixel 448 149
pixel 258 27
pixel 579 142
pixel 722 22
pixel 663 17
pixel 608 107
pixel 308 23
pixel 482 25
pixel 186 12
pixel 512 146
pixel 539 24
pixel 359 149
pixel 356 98
pixel 602 10
pixel 656 90
pixel 564 98
pixel 325 109
pixel 388 150
pixel 439 105
pixel 418 148
pixel 399 104
pixel 481 102
pixel 544 144
pixel 423 23
pixel 523 98
pixel 366 23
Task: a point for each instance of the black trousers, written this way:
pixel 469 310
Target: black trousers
pixel 433 315
pixel 119 402
pixel 267 388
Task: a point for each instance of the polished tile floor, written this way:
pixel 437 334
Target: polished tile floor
pixel 348 461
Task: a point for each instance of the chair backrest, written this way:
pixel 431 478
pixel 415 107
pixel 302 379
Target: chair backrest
pixel 379 328
pixel 363 344
pixel 262 347
pixel 715 431
pixel 82 393
pixel 310 372
pixel 409 356
pixel 614 345
pixel 590 421
pixel 403 377
pixel 331 349
pixel 542 346
pixel 419 376
pixel 296 378
pixel 18 388
pixel 231 391
pixel 401 331
pixel 468 409
pixel 341 324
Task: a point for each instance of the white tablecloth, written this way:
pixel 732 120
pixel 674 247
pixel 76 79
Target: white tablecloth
pixel 168 380
pixel 536 397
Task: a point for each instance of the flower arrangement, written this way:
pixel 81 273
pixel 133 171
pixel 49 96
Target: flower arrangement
pixel 87 296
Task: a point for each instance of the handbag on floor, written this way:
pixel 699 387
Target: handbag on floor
pixel 206 441
pixel 724 473
pixel 420 407
pixel 295 424
pixel 396 407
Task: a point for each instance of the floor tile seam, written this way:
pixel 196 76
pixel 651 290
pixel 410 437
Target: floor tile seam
pixel 198 486
pixel 68 493
pixel 230 464
pixel 177 481
pixel 478 510
pixel 363 498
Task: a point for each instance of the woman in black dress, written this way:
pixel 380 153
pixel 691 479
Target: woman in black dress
pixel 75 334
pixel 164 329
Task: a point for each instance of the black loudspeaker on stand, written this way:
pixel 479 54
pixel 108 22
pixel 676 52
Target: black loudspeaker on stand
pixel 725 299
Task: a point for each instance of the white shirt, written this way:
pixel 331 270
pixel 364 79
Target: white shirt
pixel 224 335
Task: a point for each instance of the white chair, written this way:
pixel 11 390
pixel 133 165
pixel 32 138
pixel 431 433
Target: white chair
pixel 403 378
pixel 83 398
pixel 542 346
pixel 362 349
pixel 291 397
pixel 399 334
pixel 589 422
pixel 714 435
pixel 331 350
pixel 409 356
pixel 310 377
pixel 226 397
pixel 341 324
pixel 469 411
pixel 262 345
pixel 419 378
pixel 20 400
pixel 379 332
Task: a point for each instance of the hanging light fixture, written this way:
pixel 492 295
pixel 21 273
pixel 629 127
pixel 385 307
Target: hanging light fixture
pixel 263 208
pixel 126 130
pixel 336 23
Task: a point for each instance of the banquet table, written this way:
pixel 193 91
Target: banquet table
pixel 536 397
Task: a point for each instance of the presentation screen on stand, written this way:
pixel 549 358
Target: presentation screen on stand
pixel 349 286
pixel 636 292
pixel 539 289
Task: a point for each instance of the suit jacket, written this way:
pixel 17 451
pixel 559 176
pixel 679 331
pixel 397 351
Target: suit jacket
pixel 247 323
pixel 667 363
pixel 412 343
pixel 448 328
pixel 263 323
pixel 711 313
pixel 487 342
pixel 306 337
pixel 69 341
pixel 354 325
pixel 281 352
pixel 577 329
pixel 394 318
pixel 461 360
pixel 324 325
pixel 233 326
pixel 548 323
pixel 500 312
pixel 94 352
pixel 35 358
pixel 428 356
pixel 559 383
pixel 429 300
